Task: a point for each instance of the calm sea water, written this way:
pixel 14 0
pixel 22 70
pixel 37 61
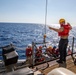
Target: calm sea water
pixel 22 34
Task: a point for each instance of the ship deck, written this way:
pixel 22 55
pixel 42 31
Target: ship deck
pixel 53 64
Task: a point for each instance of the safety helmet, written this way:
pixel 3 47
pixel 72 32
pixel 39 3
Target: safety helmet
pixel 50 47
pixel 40 47
pixel 62 20
pixel 54 47
pixel 29 45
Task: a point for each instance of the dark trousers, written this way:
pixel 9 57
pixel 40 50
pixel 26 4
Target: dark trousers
pixel 62 49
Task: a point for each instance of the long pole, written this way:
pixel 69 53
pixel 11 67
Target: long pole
pixel 45 17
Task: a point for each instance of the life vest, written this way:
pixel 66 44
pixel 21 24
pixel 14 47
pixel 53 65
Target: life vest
pixel 28 51
pixel 65 32
pixel 38 52
pixel 53 50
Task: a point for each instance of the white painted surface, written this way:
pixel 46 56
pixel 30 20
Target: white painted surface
pixel 61 71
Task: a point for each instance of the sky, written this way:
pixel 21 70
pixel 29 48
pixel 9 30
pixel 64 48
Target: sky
pixel 33 11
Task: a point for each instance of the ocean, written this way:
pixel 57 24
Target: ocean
pixel 22 34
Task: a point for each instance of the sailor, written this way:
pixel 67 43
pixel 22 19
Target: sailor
pixel 29 54
pixel 38 54
pixel 63 32
pixel 49 50
pixel 54 51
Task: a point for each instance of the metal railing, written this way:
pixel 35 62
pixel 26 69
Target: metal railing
pixel 34 46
